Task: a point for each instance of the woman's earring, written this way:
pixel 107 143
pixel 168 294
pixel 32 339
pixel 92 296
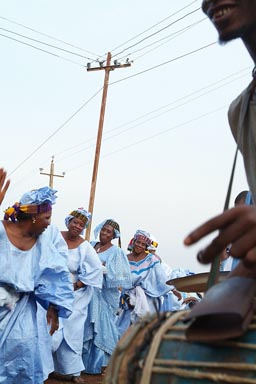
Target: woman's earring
pixel 34 220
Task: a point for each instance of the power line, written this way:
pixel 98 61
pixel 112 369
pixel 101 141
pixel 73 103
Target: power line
pixel 49 36
pixel 155 33
pixel 153 26
pixel 55 132
pixel 170 37
pixel 41 50
pixel 164 63
pixel 48 45
pixel 156 110
pixel 156 134
pixel 166 130
pixel 143 122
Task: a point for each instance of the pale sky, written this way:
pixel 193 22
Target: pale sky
pixel 167 151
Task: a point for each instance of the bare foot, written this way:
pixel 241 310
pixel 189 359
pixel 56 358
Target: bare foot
pixel 78 380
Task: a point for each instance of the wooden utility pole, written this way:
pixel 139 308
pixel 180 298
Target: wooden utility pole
pixel 107 70
pixel 51 174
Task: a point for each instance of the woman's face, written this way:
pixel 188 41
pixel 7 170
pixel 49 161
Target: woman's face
pixel 76 226
pixel 106 234
pixel 139 246
pixel 42 220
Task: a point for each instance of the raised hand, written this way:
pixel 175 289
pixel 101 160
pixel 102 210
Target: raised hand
pixel 4 184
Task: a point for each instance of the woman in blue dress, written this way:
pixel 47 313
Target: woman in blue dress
pixel 148 283
pixel 100 333
pixel 31 270
pixel 86 274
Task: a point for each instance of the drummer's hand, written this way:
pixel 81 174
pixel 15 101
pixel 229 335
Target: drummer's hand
pixel 177 294
pixel 236 226
pixel 4 184
pixel 189 299
pixel 241 270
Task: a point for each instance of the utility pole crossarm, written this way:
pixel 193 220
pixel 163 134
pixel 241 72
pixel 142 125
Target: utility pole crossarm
pixel 51 174
pixel 109 67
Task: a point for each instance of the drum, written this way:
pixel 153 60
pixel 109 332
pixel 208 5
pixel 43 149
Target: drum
pixel 196 282
pixel 156 351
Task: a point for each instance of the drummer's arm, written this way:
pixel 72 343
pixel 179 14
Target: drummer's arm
pixel 177 293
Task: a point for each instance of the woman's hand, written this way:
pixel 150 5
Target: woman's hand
pixel 4 184
pixel 52 318
pixel 236 226
pixel 78 284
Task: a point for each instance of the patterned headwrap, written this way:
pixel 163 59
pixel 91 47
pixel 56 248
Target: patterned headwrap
pixel 111 222
pixel 32 202
pixel 154 244
pixel 79 213
pixel 142 235
pixel 130 245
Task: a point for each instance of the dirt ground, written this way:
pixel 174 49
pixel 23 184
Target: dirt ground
pixel 88 379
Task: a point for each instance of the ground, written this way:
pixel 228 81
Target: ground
pixel 88 379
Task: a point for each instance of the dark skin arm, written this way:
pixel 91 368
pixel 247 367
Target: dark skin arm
pixel 4 184
pixel 236 226
pixel 177 293
pixel 52 319
pixel 78 285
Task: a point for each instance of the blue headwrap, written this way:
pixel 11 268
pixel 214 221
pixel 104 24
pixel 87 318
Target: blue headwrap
pixel 111 222
pixel 39 196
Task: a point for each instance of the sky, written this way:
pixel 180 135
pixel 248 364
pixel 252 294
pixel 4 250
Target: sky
pixel 166 152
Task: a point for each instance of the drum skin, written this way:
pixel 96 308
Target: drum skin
pixel 156 351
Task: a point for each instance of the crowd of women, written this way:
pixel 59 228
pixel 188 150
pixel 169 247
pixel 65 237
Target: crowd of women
pixel 65 302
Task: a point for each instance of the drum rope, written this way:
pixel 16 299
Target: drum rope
pixel 146 374
pixel 233 344
pixel 215 377
pixel 120 350
pixel 207 364
pixel 149 368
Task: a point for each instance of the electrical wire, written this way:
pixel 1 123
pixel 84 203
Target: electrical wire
pixel 153 26
pixel 168 38
pixel 49 36
pixel 55 132
pixel 166 130
pixel 41 50
pixel 48 45
pixel 164 63
pixel 143 122
pixel 157 110
pixel 155 33
pixel 154 135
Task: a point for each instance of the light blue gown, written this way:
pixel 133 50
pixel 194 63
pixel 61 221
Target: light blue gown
pixel 84 265
pixel 148 289
pixel 36 275
pixel 100 333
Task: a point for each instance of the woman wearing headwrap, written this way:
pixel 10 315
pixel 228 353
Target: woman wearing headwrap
pixel 31 270
pixel 148 283
pixel 86 273
pixel 101 333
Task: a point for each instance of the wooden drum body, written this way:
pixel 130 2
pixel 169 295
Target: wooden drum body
pixel 156 351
